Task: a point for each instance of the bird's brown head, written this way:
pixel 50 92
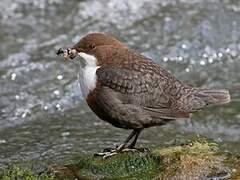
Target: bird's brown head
pixel 88 44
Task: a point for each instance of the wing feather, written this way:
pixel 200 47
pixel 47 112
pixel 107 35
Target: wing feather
pixel 140 88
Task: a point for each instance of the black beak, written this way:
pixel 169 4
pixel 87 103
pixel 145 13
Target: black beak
pixel 60 52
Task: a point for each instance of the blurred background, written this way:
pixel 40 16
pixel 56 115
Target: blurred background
pixel 42 113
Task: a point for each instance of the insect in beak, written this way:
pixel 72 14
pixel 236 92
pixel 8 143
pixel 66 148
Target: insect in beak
pixel 60 51
pixel 67 53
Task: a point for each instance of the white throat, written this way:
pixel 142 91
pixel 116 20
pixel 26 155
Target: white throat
pixel 87 76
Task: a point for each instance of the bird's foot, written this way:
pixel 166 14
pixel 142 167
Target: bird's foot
pixel 109 152
pixel 105 154
pixel 138 150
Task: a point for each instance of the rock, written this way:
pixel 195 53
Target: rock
pixel 198 159
pixel 195 160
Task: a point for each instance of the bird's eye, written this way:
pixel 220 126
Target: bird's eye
pixel 91 46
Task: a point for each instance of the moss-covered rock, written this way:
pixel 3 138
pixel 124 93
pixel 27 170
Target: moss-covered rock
pixel 17 172
pixel 198 159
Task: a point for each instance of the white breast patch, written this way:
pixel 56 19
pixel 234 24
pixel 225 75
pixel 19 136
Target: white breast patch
pixel 87 76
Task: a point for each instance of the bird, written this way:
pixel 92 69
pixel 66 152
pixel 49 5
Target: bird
pixel 130 91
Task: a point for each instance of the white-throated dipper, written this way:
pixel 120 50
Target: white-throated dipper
pixel 130 91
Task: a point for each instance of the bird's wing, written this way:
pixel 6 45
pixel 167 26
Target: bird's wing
pixel 139 88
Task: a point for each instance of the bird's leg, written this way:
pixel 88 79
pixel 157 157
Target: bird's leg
pixel 110 152
pixel 132 147
pixel 122 146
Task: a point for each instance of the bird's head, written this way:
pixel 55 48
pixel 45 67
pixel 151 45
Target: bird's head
pixel 88 45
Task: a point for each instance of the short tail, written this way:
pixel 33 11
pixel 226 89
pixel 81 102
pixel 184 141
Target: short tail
pixel 214 96
pixel 201 98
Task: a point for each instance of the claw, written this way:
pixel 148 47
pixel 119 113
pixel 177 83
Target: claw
pixel 136 150
pixel 105 152
pixel 109 152
pixel 130 150
pixel 100 154
pixel 108 149
pixel 108 155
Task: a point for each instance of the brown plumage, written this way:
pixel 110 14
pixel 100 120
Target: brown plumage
pixel 133 92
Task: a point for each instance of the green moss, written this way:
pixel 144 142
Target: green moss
pixel 198 159
pixel 17 172
pixel 130 166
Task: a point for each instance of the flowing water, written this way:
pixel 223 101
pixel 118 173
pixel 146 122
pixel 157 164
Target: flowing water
pixel 42 113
